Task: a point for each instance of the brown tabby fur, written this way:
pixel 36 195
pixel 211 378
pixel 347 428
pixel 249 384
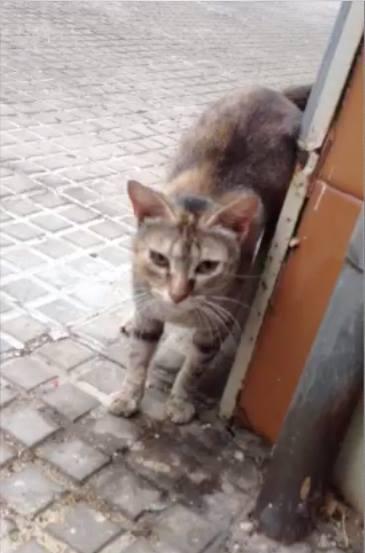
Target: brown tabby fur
pixel 197 238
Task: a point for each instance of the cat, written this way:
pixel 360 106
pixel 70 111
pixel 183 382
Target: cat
pixel 197 237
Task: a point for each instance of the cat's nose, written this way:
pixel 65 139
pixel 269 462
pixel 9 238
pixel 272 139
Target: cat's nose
pixel 178 296
pixel 180 289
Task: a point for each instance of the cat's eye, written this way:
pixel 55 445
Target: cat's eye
pixel 207 266
pixel 159 259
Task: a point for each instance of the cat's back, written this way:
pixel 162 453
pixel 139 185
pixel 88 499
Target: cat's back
pixel 254 117
pixel 247 138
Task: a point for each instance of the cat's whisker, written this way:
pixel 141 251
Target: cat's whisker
pixel 214 321
pixel 223 314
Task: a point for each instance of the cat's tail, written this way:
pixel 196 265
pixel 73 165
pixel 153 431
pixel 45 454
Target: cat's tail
pixel 298 95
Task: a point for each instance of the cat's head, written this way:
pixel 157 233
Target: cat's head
pixel 190 247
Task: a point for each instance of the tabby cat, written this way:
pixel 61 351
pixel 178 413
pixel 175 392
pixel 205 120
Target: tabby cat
pixel 197 237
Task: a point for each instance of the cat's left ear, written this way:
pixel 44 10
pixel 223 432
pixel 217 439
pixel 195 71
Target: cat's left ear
pixel 147 202
pixel 239 215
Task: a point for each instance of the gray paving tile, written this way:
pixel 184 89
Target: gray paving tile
pixel 184 530
pixel 29 491
pixel 6 526
pixel 27 372
pixel 73 457
pixel 66 353
pixel 32 547
pixel 26 424
pixel 24 290
pixel 7 452
pixel 124 490
pixel 62 311
pixel 84 529
pixel 103 375
pixel 70 401
pixel 111 433
pixel 104 328
pixel 24 328
pixel 7 394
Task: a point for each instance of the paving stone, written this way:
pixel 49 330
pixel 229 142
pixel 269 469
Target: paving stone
pixel 79 214
pixel 29 491
pixel 183 529
pixel 108 229
pixel 32 547
pixel 7 453
pixel 52 223
pixel 66 353
pixel 55 248
pixel 24 290
pixel 21 207
pixel 22 231
pixel 62 311
pixel 6 345
pixel 118 351
pixel 6 526
pixel 124 490
pixel 103 375
pixel 26 424
pixel 24 328
pixel 144 546
pixel 7 394
pixel 84 529
pixel 83 238
pixel 154 404
pixel 24 258
pixel 73 457
pixel 104 328
pixel 70 401
pixel 27 372
pixel 113 433
pixel 115 256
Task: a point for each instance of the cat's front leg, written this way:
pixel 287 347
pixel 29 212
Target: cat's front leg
pixel 180 408
pixel 144 337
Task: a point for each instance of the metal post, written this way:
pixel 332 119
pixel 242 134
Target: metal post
pixel 304 456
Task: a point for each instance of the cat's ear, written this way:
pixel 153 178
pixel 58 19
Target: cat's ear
pixel 238 215
pixel 147 202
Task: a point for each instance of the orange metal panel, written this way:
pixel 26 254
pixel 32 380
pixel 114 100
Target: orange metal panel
pixel 298 305
pixel 343 165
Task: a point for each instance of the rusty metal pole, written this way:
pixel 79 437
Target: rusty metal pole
pixel 306 450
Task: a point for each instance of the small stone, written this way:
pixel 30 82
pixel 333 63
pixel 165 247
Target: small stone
pixel 239 455
pixel 28 372
pixel 84 530
pixel 26 424
pixel 28 492
pixel 7 453
pixel 70 401
pixel 124 490
pixel 324 542
pixel 75 458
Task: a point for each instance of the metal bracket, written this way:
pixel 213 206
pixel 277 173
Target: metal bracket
pixel 290 212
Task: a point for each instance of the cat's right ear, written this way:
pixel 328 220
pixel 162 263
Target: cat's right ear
pixel 148 203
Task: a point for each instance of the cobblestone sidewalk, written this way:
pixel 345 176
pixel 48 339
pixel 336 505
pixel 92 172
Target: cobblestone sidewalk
pixel 93 93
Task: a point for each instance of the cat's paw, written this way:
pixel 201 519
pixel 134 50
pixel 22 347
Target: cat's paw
pixel 179 411
pixel 123 405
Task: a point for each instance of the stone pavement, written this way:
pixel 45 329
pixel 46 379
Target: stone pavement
pixel 93 93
